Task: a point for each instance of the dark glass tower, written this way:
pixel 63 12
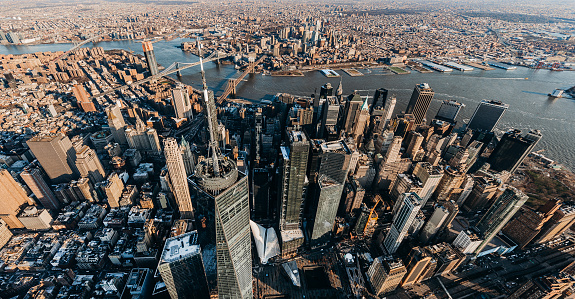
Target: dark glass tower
pixel 420 101
pixel 512 150
pixel 182 268
pixel 500 212
pixel 487 115
pixel 293 183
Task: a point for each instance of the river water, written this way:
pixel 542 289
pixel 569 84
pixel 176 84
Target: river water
pixel 530 108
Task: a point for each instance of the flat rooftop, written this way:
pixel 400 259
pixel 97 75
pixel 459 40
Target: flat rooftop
pixel 180 246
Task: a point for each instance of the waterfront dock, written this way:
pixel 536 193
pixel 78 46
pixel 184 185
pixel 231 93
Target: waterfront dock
pixel 479 66
pixel 435 66
pixel 458 66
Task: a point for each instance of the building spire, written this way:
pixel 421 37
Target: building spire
pixel 213 143
pixel 339 91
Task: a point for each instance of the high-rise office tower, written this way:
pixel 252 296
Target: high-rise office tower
pixel 402 124
pixel 326 91
pixel 409 205
pixel 364 219
pixel 389 107
pixel 182 268
pixel 150 57
pixel 83 99
pixel 354 193
pixel 360 124
pixel 447 257
pixel 329 194
pixel 561 221
pixel 512 150
pixel 181 102
pixel 482 193
pixel 113 189
pixel 419 102
pixel 32 176
pixel 188 156
pixel 523 228
pixel 56 155
pixel 499 214
pixel 391 165
pixel 439 216
pixel 13 197
pixel 430 176
pixel 404 183
pixel 338 158
pixel 225 190
pixel 449 110
pixel 487 115
pixel 416 139
pixel 5 233
pixel 84 190
pixel 420 265
pixel 352 111
pixel 89 165
pixel 379 99
pixel 330 114
pixel 293 183
pixel 143 138
pixel 385 274
pixel 117 125
pixel 178 178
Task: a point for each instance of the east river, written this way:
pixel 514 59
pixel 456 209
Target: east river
pixel 525 90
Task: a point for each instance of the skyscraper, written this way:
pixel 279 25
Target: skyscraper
pixel 449 110
pixel 177 172
pixel 13 197
pixel 83 99
pixel 420 265
pixel 512 150
pixel 561 221
pixel 181 102
pixel 329 194
pixel 352 111
pixel 294 179
pixel 117 125
pixel 451 180
pixel 32 176
pixel 142 138
pixel 113 189
pixel 150 57
pixel 419 102
pixel 326 91
pixel 361 122
pixel 56 155
pixel 182 268
pixel 379 99
pixel 487 115
pixel 89 165
pixel 430 176
pixel 523 228
pixel 499 214
pixel 188 156
pixel 440 215
pixel 226 189
pixel 385 274
pixel 5 234
pixel 409 205
pixel 330 114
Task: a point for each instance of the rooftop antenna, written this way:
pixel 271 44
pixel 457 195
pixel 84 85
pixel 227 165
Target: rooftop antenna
pixel 213 145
